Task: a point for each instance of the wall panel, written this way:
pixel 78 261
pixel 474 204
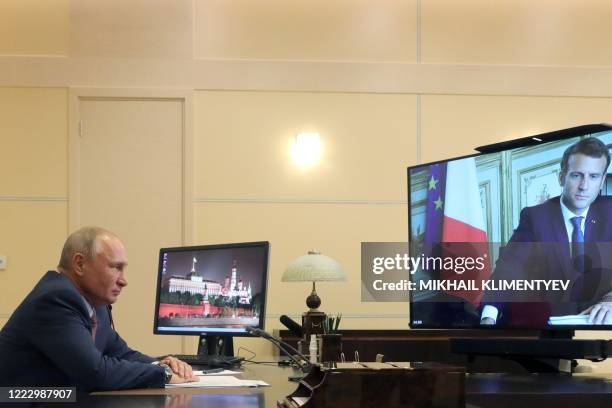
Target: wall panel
pixel 33 187
pixel 337 230
pixel 32 237
pixel 453 125
pixel 33 134
pixel 242 142
pixel 516 32
pixel 342 30
pixel 34 27
pixel 133 29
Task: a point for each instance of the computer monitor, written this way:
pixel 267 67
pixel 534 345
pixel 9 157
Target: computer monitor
pixel 212 291
pixel 494 237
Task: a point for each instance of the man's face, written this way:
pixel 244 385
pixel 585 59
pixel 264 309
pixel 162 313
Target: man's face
pixel 582 181
pixel 103 277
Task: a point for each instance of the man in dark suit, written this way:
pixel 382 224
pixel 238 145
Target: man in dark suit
pixel 562 238
pixel 62 334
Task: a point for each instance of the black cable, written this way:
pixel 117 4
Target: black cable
pixel 253 354
pixel 303 362
pixel 270 363
pixel 268 336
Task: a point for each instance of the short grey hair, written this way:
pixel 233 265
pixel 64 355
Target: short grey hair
pixel 86 241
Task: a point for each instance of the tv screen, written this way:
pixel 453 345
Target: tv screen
pixel 519 237
pixel 212 289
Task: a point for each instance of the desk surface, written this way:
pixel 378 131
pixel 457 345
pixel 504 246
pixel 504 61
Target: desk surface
pixel 482 390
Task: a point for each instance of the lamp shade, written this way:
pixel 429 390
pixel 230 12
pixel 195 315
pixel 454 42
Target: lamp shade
pixel 313 267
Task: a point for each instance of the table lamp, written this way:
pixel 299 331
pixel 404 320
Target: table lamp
pixel 312 268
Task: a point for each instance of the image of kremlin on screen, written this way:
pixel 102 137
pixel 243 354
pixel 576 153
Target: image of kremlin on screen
pixel 201 289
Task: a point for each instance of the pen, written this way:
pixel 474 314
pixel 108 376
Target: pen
pixel 212 371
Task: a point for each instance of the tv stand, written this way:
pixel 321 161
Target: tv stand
pixel 553 352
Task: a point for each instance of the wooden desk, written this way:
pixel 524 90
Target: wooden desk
pixel 259 397
pixel 482 390
pixel 539 390
pixel 424 345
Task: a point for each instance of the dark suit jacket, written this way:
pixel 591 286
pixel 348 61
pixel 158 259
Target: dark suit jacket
pixel 48 342
pixel 539 249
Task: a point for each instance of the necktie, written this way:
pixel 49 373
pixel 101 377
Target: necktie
pixel 577 243
pixel 94 326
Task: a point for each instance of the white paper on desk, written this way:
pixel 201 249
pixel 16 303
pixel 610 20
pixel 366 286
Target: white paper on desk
pixel 568 320
pixel 254 383
pixel 224 372
pixel 219 381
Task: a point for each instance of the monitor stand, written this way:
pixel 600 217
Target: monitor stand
pixel 213 345
pixel 218 350
pixel 552 352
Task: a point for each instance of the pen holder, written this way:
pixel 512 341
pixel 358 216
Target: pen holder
pixel 331 347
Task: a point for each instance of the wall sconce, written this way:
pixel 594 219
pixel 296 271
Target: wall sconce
pixel 306 149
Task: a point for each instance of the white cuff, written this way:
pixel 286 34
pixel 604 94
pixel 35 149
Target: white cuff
pixel 490 312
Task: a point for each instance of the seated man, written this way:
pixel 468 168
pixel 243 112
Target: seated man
pixel 567 238
pixel 62 335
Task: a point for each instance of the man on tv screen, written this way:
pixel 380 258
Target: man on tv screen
pixel 566 237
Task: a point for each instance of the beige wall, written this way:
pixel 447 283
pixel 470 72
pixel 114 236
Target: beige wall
pixel 33 187
pixel 246 187
pixel 387 84
pixel 34 27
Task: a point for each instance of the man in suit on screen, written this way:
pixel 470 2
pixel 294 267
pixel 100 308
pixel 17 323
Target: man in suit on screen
pixel 567 237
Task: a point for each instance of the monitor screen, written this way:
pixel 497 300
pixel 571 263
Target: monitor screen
pixel 211 289
pixel 520 237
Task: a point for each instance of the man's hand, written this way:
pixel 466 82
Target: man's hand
pixel 182 371
pixel 599 313
pixel 177 379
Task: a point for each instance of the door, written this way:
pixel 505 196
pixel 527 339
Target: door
pixel 130 181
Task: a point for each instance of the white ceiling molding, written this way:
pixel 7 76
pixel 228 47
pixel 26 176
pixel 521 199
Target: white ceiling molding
pixel 315 76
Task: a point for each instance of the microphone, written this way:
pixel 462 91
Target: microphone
pixel 302 362
pixel 255 331
pixel 292 325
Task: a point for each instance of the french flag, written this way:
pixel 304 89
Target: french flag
pixel 463 220
pixel 463 223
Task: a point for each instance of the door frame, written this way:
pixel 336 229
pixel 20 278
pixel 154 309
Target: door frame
pixel 78 94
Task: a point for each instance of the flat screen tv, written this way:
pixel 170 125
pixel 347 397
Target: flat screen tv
pixel 517 236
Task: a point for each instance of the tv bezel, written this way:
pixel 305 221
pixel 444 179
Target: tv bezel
pixel 264 288
pixel 548 137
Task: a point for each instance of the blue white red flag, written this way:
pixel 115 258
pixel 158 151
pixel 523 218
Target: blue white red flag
pixel 455 225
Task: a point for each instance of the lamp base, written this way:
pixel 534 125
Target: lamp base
pixel 313 301
pixel 312 323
